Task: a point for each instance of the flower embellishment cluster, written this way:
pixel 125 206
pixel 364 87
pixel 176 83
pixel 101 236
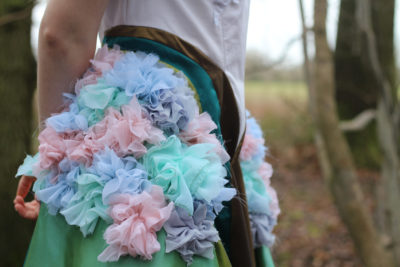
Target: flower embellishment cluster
pixel 132 149
pixel 262 198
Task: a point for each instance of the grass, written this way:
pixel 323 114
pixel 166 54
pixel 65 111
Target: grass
pixel 281 109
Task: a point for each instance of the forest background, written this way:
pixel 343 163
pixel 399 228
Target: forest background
pixel 330 115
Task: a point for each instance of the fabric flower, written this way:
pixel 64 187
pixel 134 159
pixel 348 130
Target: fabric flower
pixel 191 235
pixel 108 175
pixel 166 97
pixel 185 171
pixel 94 99
pixel 257 197
pixel 137 218
pixel 57 187
pixel 125 133
pixel 265 171
pixel 104 60
pixel 51 148
pixel 252 147
pixel 86 206
pixel 27 168
pixel 199 131
pixel 120 175
pixel 69 120
pixel 261 226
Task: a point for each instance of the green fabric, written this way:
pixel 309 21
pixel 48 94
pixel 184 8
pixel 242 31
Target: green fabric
pixel 55 243
pixel 264 257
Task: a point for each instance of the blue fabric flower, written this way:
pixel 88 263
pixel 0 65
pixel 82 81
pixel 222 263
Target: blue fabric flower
pixel 108 175
pixel 57 187
pixel 165 96
pixel 68 120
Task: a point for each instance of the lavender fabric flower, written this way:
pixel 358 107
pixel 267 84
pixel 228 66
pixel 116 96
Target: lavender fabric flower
pixel 191 235
pixel 261 226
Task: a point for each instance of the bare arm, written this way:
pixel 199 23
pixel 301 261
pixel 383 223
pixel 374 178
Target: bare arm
pixel 67 40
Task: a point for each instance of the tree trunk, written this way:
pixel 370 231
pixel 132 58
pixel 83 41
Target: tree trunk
pixel 382 66
pixel 17 83
pixel 355 83
pixel 339 170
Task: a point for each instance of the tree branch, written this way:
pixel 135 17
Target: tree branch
pixel 15 16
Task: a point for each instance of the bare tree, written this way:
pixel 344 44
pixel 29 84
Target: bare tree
pixel 334 154
pixel 388 118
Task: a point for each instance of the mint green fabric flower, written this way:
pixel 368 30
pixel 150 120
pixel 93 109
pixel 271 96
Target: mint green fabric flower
pixel 185 172
pixel 94 99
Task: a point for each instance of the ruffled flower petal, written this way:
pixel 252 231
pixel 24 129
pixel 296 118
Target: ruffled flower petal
pixel 57 187
pixel 191 235
pixel 199 131
pixel 137 218
pixel 261 226
pixel 86 206
pixel 166 97
pixel 126 133
pixel 94 99
pixel 185 171
pixel 27 168
pixel 104 60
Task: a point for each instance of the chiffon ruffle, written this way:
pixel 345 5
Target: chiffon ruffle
pixel 261 197
pixel 191 235
pixel 137 218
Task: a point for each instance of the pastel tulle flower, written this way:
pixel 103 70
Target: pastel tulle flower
pixel 119 175
pixel 261 226
pixel 94 99
pixel 252 147
pixel 108 175
pixel 265 171
pixel 252 126
pixel 86 206
pixel 257 197
pixel 199 130
pixel 125 133
pixel 56 187
pixel 52 148
pixel 70 119
pixel 137 218
pixel 28 167
pixel 104 60
pixel 191 235
pixel 165 96
pixel 216 205
pixel 185 171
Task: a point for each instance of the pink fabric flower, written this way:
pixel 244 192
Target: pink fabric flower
pixel 137 218
pixel 126 133
pixel 52 148
pixel 198 131
pixel 250 147
pixel 265 172
pixel 104 60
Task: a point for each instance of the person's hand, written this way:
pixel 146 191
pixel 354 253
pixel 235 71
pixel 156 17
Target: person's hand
pixel 28 210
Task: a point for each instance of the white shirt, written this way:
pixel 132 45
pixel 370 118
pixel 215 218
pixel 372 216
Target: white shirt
pixel 216 27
